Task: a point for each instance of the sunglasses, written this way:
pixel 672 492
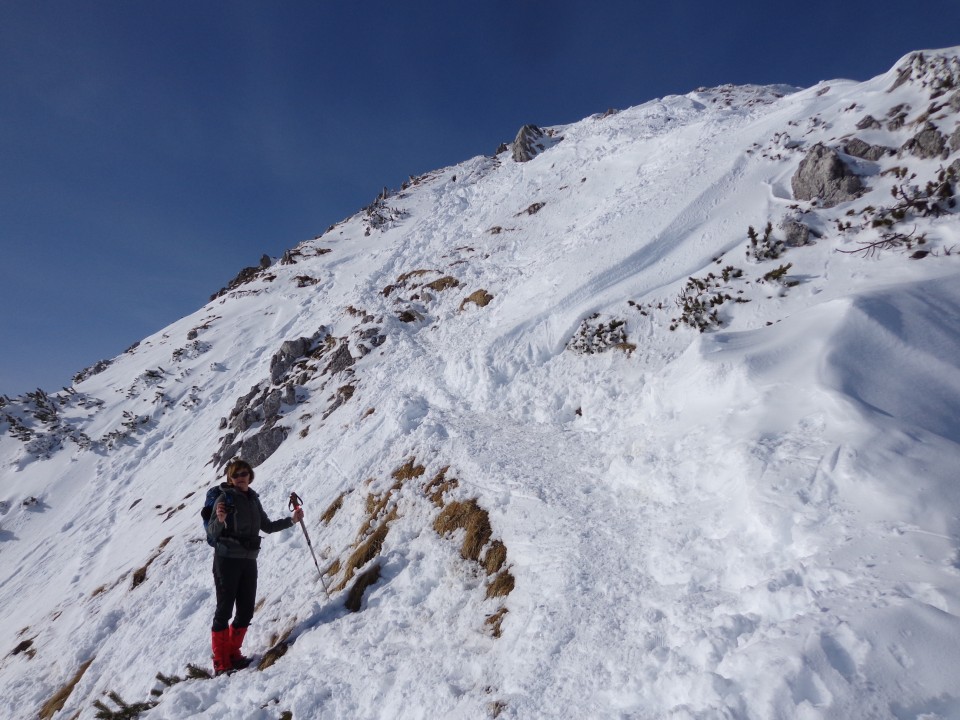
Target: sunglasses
pixel 241 474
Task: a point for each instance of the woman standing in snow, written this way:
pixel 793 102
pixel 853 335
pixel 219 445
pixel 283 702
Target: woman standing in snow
pixel 234 528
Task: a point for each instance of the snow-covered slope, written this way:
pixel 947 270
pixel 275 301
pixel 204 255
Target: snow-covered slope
pixel 491 389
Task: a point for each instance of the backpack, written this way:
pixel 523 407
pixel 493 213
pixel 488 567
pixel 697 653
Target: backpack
pixel 207 511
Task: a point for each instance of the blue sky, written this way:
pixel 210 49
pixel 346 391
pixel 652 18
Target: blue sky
pixel 150 150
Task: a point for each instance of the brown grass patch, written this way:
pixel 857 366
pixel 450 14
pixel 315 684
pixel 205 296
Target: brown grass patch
pixel 495 558
pixel 466 516
pixel 495 621
pixel 370 549
pixel 333 509
pixel 408 470
pixel 444 283
pixel 439 486
pixel 277 651
pixel 501 586
pixel 52 706
pixel 140 574
pixel 402 280
pixel 480 298
pixel 354 599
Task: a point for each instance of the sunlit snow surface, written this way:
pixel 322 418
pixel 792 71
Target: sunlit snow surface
pixel 760 521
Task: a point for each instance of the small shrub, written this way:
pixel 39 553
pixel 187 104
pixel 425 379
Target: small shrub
pixel 124 710
pixel 765 248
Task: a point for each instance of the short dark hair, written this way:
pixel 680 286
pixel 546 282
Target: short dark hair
pixel 238 464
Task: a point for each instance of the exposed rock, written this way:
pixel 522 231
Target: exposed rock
pixel 955 140
pixel 824 177
pixel 265 261
pixel 797 233
pixel 247 417
pixel 259 447
pixel 860 149
pixel 954 102
pixel 290 351
pixel 341 360
pixel 272 404
pixel 927 144
pixel 897 122
pixel 939 73
pixel 868 123
pixel 248 274
pixel 528 143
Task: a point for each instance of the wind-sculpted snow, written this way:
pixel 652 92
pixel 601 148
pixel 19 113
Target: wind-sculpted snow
pixel 604 442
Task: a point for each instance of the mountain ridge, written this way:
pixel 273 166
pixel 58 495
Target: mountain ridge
pixel 685 439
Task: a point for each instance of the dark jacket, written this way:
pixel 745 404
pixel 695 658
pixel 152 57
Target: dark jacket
pixel 239 536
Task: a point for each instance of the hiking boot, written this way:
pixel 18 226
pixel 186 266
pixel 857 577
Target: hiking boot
pixel 238 661
pixel 220 641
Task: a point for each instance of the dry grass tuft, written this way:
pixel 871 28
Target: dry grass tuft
pixel 444 283
pixel 466 516
pixel 408 471
pixel 480 298
pixel 501 586
pixel 140 574
pixel 439 486
pixel 495 558
pixel 276 652
pixel 495 621
pixel 52 706
pixel 370 549
pixel 369 577
pixel 334 507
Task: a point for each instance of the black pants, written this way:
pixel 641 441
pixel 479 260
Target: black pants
pixel 236 583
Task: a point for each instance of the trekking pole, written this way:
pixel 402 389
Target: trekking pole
pixel 295 503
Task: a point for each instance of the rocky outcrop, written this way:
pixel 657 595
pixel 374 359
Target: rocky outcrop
pixel 824 177
pixel 865 151
pixel 257 448
pixel 927 144
pixel 528 144
pixel 797 234
pixel 954 141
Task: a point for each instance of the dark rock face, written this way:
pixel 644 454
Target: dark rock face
pixel 868 123
pixel 824 177
pixel 797 233
pixel 290 351
pixel 257 448
pixel 528 143
pixel 342 359
pixel 865 151
pixel 927 144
